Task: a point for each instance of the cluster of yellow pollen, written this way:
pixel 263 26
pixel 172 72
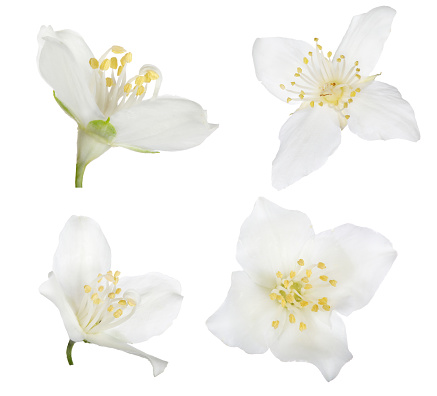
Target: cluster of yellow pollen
pixel 297 292
pixel 102 303
pixel 325 81
pixel 112 91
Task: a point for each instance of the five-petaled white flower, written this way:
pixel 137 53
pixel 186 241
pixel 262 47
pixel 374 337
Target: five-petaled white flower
pixel 333 91
pixel 109 108
pixel 100 307
pixel 293 281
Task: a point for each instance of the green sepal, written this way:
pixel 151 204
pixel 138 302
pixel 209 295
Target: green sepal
pixel 65 108
pixel 103 131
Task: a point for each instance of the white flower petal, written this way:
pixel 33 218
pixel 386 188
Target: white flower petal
pixel 365 38
pixel 271 240
pixel 82 254
pixel 53 291
pixel 276 60
pixel 160 304
pixel 357 258
pixel 322 345
pixel 245 318
pixel 63 64
pixel 165 123
pixel 379 112
pixel 308 138
pixel 108 341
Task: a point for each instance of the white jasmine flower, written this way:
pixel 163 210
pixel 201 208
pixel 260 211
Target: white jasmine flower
pixel 108 106
pixel 294 283
pixel 100 307
pixel 333 91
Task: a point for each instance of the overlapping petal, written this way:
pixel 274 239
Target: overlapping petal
pixel 245 318
pixel 379 112
pixel 160 302
pixel 276 59
pixel 82 254
pixel 308 138
pixel 271 239
pixel 165 123
pixel 365 38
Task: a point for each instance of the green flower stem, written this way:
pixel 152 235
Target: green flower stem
pixel 69 349
pixel 80 170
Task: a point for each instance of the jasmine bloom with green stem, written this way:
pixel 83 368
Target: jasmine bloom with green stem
pixel 110 109
pixel 101 307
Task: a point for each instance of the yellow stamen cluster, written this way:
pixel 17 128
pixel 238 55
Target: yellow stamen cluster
pixel 291 291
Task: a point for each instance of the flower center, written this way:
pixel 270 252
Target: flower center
pixel 103 307
pixel 112 91
pixel 298 293
pixel 325 81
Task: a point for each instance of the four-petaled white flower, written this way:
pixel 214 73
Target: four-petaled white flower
pixel 333 91
pixel 109 108
pixel 100 307
pixel 293 281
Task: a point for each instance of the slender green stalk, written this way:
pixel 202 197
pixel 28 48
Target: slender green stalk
pixel 69 350
pixel 80 170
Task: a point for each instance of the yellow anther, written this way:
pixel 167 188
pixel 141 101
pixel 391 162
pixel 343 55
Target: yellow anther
pixel 292 83
pixel 299 70
pixel 282 86
pixel 350 100
pixel 109 81
pixel 94 63
pixel 304 303
pixel 120 69
pixel 324 278
pixel 111 295
pixel 94 296
pixel 305 279
pixel 358 76
pixel 346 105
pixel 109 278
pixel 315 308
pixel 289 298
pixel 118 291
pixel 104 65
pixel 329 54
pixel 153 75
pixel 308 286
pixel 283 303
pixel 292 274
pixel 115 281
pixel 279 274
pixel 312 103
pixel 291 318
pixel 101 288
pixel 113 63
pixel 316 39
pixel 305 60
pixel 301 262
pixel 117 274
pixel 296 75
pixel 109 273
pixel 358 69
pixel 122 302
pixel 321 266
pixel 301 96
pixel 342 56
pixel 326 307
pixel 356 63
pixel 347 117
pixel 273 296
pixel 353 93
pixel 118 313
pixel 275 324
pixel 127 87
pixel 110 308
pixel 319 47
pixel 126 58
pixel 323 301
pixel 116 49
pixel 87 288
pixel 279 298
pixel 288 100
pixel 310 53
pixel 309 273
pixel 286 283
pixel 302 326
pixel 131 302
pixel 320 104
pixel 333 282
pixel 358 90
pixel 97 301
pixel 100 276
pixel 140 80
pixel 338 60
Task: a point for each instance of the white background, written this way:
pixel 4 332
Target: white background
pixel 180 213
